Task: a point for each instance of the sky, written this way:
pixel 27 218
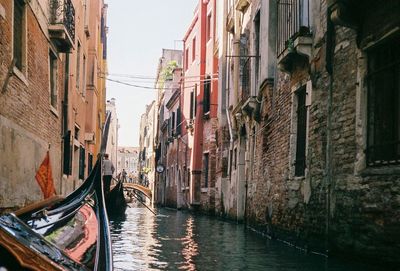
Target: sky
pixel 138 31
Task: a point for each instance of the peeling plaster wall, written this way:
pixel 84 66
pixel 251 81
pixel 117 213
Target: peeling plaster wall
pixel 22 153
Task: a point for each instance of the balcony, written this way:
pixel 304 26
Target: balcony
pixel 62 24
pixel 294 40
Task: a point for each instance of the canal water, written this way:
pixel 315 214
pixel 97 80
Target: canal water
pixel 176 240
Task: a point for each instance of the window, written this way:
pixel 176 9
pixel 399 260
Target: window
pixel 19 32
pixel 90 163
pixel 257 47
pixel 209 27
pixel 67 158
pixel 84 77
pixel 293 21
pixel 78 65
pixel 187 59
pixel 195 100
pixel 244 66
pixel 383 139
pixel 169 129
pixel 173 123
pixel 207 94
pixel 300 162
pixel 234 158
pixel 188 178
pixel 86 15
pixel 194 49
pixel 53 79
pixel 206 160
pixel 76 134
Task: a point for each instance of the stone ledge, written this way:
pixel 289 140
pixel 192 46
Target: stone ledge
pixel 382 171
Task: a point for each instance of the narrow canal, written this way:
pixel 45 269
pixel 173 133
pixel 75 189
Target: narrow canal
pixel 175 240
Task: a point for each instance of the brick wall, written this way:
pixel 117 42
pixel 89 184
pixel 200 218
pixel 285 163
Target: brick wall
pixel 208 194
pixel 28 122
pixel 349 209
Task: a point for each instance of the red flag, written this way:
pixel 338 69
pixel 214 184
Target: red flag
pixel 45 178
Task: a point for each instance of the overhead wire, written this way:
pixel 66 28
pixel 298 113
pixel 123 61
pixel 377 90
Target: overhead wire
pixel 148 87
pixel 153 82
pixel 145 77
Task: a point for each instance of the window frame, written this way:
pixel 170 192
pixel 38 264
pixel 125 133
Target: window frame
pixel 20 69
pixel 53 79
pixel 207 96
pixel 78 65
pixel 380 91
pixel 84 62
pixel 194 49
pixel 206 169
pixel 209 24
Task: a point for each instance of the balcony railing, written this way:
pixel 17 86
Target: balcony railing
pixel 62 22
pixel 293 21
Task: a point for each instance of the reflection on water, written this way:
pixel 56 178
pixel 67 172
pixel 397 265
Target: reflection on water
pixel 189 250
pixel 175 240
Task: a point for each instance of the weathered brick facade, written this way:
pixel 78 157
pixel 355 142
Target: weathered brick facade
pixel 28 124
pixel 39 100
pixel 341 205
pixel 291 144
pixel 208 190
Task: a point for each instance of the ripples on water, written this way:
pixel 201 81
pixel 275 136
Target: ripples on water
pixel 175 240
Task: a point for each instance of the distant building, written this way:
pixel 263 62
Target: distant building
pixel 200 104
pixel 148 126
pixel 112 143
pixel 128 159
pixel 169 73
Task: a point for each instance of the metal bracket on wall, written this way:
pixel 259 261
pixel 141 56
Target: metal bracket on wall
pixel 8 76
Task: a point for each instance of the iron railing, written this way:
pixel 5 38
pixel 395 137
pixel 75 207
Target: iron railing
pixel 293 21
pixel 63 12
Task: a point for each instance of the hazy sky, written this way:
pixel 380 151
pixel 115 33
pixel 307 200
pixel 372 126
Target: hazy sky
pixel 138 31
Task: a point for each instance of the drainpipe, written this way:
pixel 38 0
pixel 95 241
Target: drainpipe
pixel 330 45
pixel 178 187
pixel 246 189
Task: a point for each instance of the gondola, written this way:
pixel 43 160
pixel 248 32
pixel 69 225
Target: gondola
pixel 115 201
pixel 61 234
